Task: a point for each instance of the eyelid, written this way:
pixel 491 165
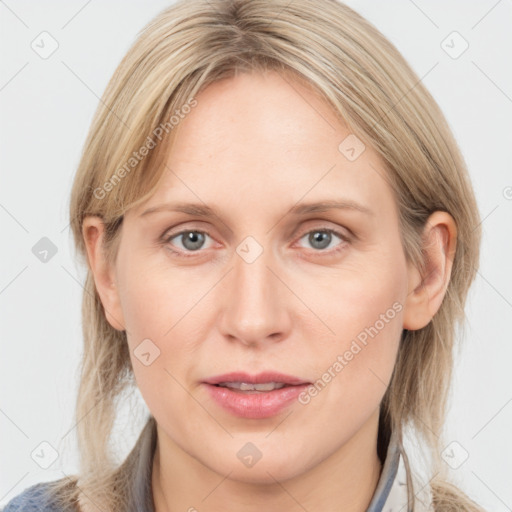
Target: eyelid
pixel 185 227
pixel 323 225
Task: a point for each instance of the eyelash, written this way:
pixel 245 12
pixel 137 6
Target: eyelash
pixel 167 238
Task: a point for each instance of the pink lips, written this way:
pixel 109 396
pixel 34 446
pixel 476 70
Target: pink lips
pixel 255 404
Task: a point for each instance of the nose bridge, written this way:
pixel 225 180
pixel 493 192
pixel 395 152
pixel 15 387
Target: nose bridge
pixel 254 310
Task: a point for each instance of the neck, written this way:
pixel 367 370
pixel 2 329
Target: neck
pixel 345 481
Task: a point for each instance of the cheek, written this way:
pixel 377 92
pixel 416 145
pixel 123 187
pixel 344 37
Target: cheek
pixel 148 308
pixel 363 299
pixel 365 313
pixel 354 371
pixel 152 297
pixel 165 320
pixel 367 358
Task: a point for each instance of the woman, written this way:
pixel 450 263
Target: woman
pixel 280 234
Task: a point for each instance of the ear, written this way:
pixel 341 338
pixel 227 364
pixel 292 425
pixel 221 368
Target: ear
pixel 93 231
pixel 426 292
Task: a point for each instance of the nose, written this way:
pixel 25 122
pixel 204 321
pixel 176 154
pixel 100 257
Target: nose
pixel 255 309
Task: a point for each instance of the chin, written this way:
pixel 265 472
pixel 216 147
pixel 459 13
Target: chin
pixel 264 475
pixel 264 471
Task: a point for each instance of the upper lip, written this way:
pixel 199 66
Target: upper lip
pixel 260 378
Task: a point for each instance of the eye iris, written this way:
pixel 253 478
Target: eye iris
pixel 320 236
pixel 192 240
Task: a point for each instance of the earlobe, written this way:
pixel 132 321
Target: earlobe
pixel 428 288
pixel 93 230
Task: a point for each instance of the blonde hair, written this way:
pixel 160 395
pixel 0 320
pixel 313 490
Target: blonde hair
pixel 372 89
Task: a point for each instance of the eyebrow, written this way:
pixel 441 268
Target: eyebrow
pixel 202 210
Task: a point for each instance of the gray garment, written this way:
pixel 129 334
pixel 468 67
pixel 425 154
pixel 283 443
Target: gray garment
pixel 140 460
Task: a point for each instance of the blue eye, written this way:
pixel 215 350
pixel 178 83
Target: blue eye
pixel 320 239
pixel 192 241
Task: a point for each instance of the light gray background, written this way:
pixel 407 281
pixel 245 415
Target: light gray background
pixel 46 108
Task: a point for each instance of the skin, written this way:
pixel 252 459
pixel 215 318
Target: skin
pixel 253 147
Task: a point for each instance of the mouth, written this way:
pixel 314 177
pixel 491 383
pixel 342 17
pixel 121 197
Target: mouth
pixel 255 396
pixel 268 377
pixel 252 388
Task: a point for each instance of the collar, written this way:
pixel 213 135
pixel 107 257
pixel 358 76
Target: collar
pixel 395 488
pixel 394 491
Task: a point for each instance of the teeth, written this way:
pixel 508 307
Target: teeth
pixel 245 386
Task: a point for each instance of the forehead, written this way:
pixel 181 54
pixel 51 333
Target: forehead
pixel 267 137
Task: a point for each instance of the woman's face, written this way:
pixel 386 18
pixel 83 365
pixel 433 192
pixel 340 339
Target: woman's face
pixel 254 279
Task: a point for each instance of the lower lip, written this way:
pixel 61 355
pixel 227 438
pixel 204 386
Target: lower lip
pixel 256 405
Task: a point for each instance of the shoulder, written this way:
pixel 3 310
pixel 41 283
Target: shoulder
pixel 36 498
